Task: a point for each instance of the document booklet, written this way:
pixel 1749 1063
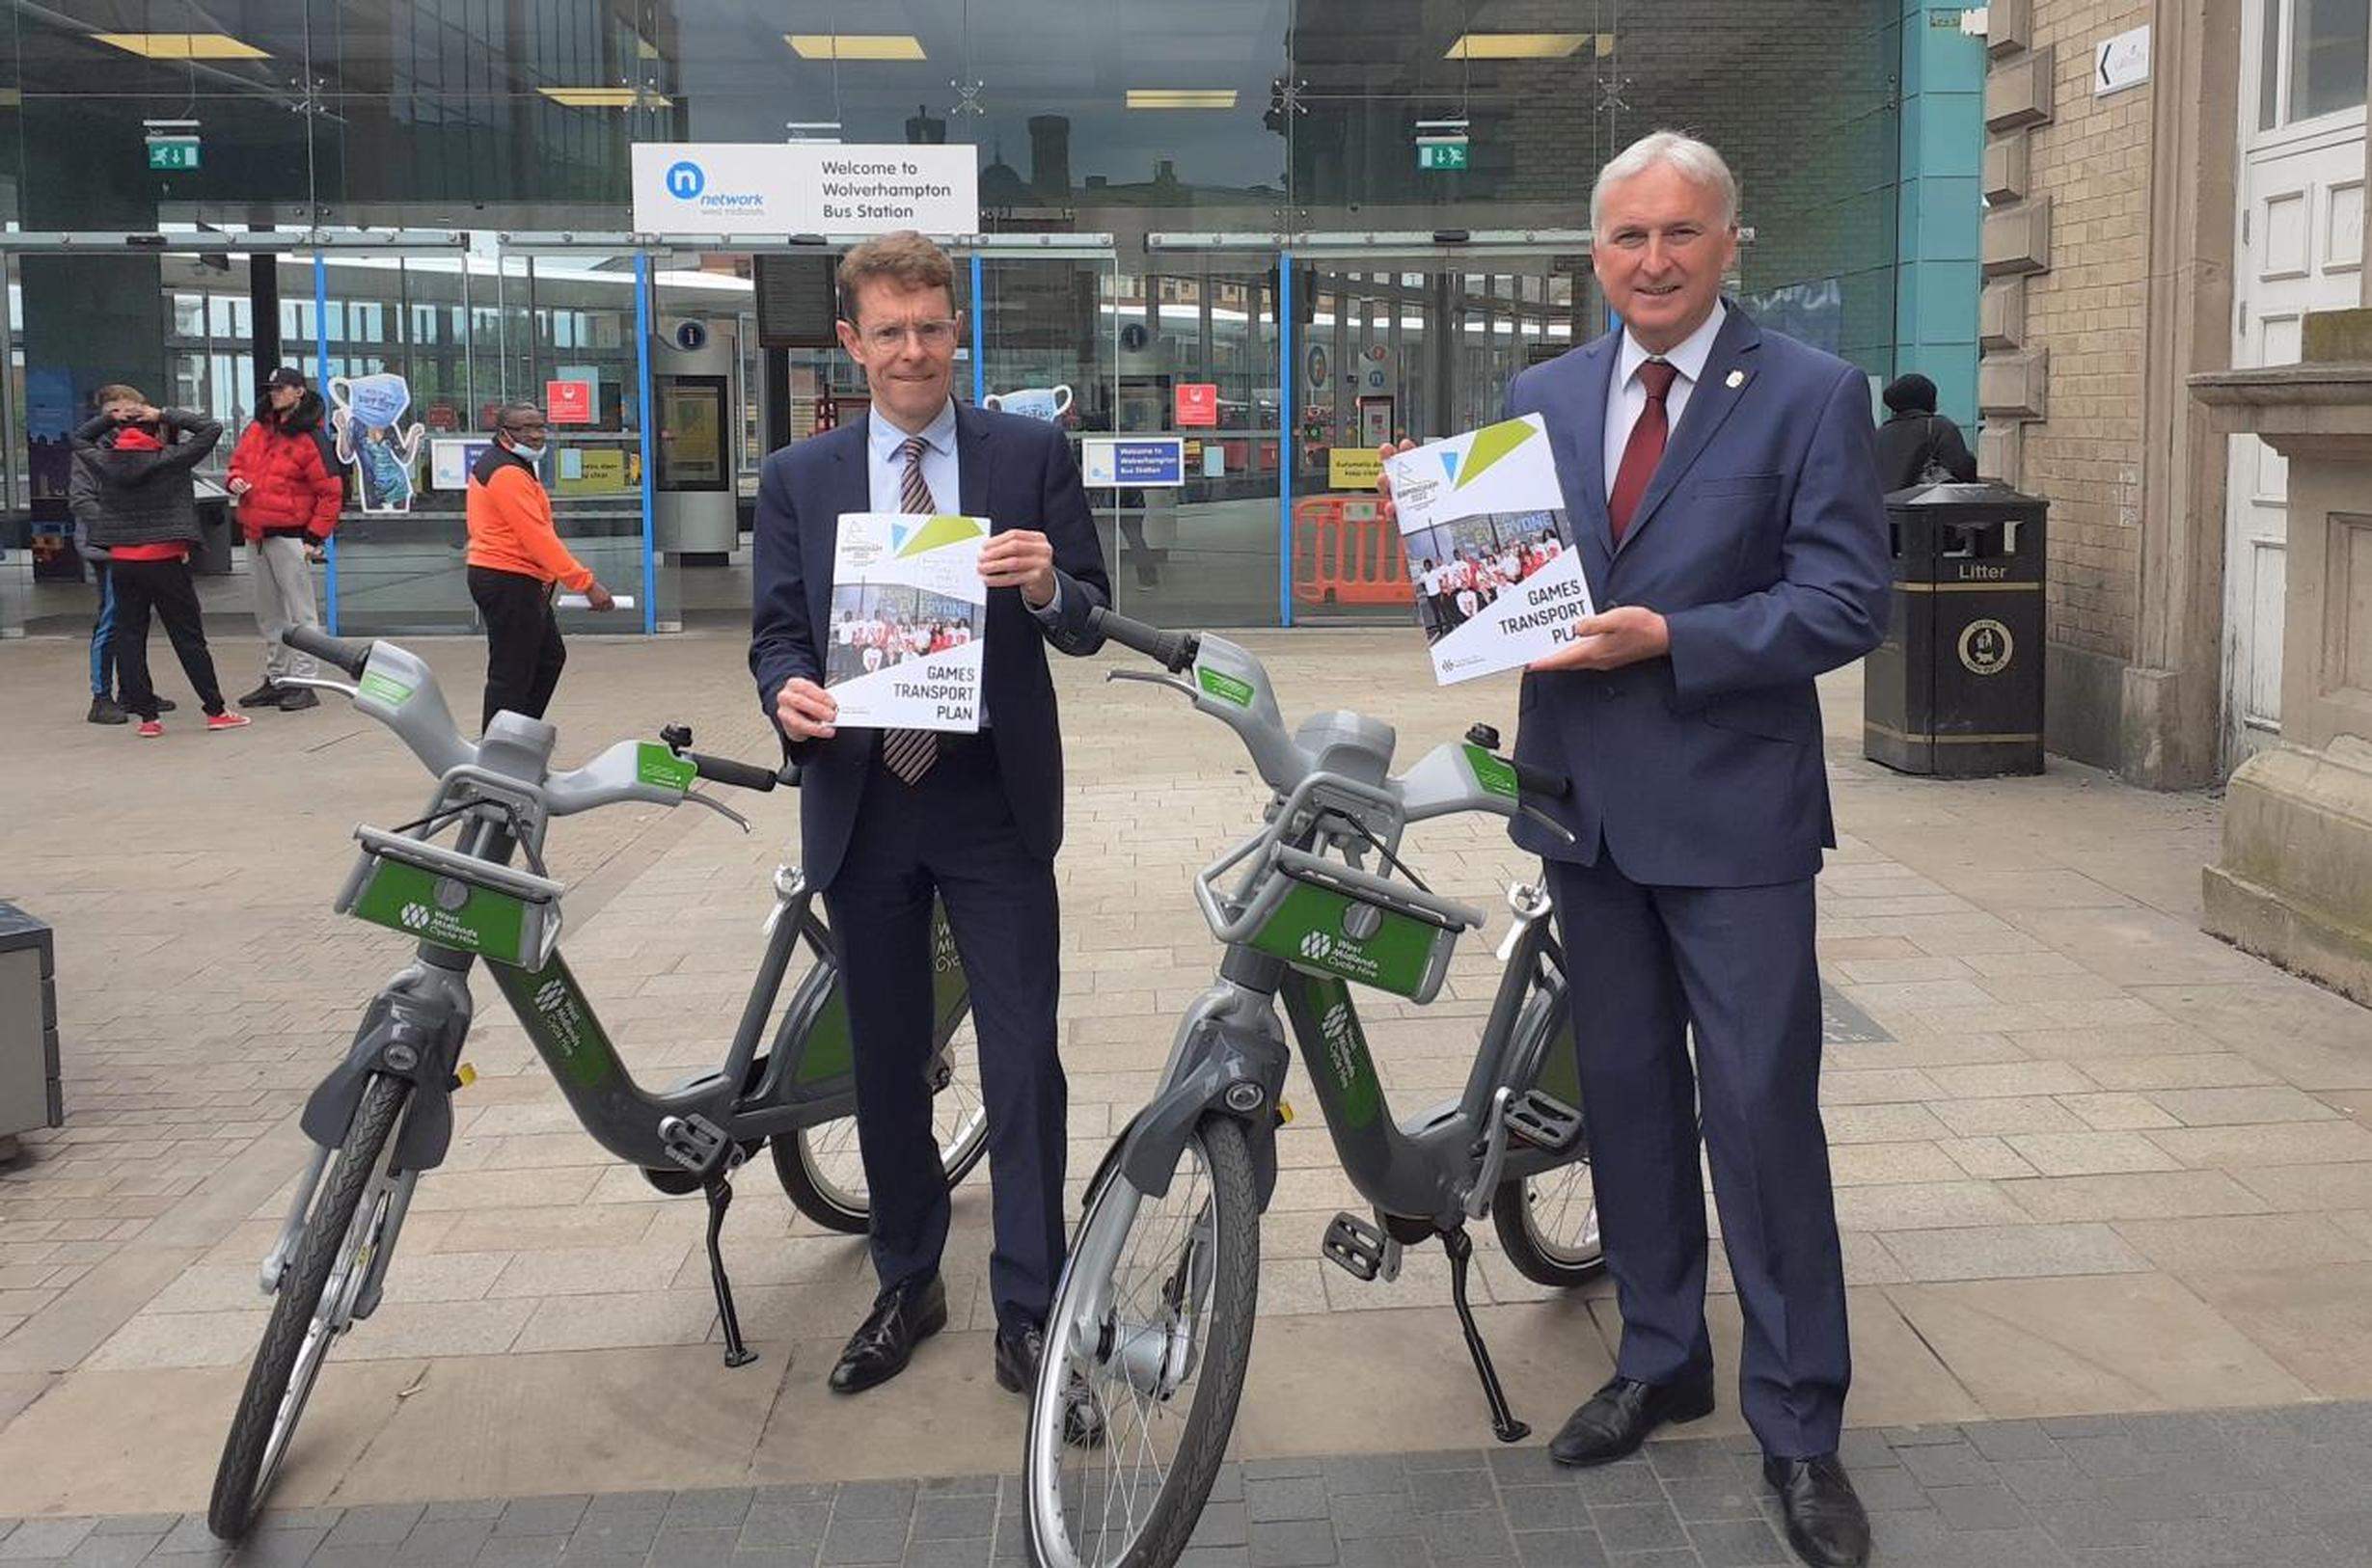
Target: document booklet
pixel 909 621
pixel 1498 581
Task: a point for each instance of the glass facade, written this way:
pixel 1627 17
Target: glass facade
pixel 1230 195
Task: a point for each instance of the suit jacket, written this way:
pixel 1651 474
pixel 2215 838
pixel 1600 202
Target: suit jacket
pixel 1763 542
pixel 1018 473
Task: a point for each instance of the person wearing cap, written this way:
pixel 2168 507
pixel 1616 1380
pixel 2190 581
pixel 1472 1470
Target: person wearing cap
pixel 516 560
pixel 144 513
pixel 1915 445
pixel 288 495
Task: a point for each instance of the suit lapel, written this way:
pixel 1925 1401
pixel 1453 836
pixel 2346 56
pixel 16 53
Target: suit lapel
pixel 1580 448
pixel 1727 373
pixel 974 454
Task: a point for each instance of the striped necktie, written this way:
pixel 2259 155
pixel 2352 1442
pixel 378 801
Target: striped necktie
pixel 909 754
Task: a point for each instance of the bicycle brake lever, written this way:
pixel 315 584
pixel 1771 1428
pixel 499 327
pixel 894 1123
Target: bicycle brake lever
pixel 317 681
pixel 719 807
pixel 1173 681
pixel 1546 821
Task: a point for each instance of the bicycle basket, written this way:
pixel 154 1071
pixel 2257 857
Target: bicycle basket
pixel 1326 918
pixel 452 899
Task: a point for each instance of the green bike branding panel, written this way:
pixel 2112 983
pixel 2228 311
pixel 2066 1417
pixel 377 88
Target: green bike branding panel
pixel 1320 931
pixel 446 911
pixel 560 1022
pixel 1328 1024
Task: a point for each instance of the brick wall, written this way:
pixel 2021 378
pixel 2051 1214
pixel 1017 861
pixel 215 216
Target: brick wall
pixel 2091 161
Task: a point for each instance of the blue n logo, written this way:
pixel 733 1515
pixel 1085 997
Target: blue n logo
pixel 685 181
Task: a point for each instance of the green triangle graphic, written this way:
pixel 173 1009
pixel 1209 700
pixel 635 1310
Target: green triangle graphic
pixel 948 528
pixel 1490 444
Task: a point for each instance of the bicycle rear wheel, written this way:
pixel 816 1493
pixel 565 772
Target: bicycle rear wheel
pixel 821 1167
pixel 314 1305
pixel 1159 1347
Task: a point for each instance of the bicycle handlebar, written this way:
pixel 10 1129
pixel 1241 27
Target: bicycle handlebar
pixel 1541 781
pixel 1173 651
pixel 741 776
pixel 349 656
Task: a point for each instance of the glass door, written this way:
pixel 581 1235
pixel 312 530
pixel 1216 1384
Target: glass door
pixel 1199 345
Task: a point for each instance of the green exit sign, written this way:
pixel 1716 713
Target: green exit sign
pixel 1441 153
pixel 173 153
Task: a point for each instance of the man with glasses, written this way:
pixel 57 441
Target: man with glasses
pixel 890 818
pixel 516 562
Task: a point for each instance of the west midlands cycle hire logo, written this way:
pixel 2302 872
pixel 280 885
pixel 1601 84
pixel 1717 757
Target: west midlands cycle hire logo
pixel 687 181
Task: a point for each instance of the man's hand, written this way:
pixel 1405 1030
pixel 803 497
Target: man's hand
pixel 597 597
pixel 806 710
pixel 1020 558
pixel 315 553
pixel 1383 476
pixel 1625 635
pixel 239 487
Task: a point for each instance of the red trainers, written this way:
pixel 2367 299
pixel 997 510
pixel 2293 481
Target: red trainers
pixel 152 728
pixel 228 721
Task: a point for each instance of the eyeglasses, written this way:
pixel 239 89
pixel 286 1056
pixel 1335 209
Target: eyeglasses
pixel 887 337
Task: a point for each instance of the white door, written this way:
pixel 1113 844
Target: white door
pixel 2300 246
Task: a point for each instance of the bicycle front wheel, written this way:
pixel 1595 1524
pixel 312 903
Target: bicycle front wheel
pixel 315 1306
pixel 822 1168
pixel 1156 1346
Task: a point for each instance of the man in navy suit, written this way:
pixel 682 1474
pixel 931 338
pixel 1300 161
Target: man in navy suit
pixel 1720 484
pixel 888 818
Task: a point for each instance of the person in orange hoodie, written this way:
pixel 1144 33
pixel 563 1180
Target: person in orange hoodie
pixel 516 562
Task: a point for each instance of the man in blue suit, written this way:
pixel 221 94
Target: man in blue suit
pixel 1720 484
pixel 888 818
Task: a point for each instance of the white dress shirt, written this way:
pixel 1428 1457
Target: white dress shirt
pixel 1627 399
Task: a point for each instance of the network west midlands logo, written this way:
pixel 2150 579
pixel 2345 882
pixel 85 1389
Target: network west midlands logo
pixel 687 181
pixel 1489 444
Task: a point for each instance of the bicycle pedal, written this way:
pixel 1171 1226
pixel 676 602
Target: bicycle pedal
pixel 695 1143
pixel 1360 1249
pixel 1543 1120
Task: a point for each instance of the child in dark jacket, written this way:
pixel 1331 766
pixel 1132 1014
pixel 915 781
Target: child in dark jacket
pixel 146 517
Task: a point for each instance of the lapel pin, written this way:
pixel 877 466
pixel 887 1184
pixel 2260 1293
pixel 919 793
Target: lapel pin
pixel 1737 379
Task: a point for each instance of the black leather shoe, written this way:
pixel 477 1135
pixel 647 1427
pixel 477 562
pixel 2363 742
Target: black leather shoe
pixel 1017 1357
pixel 884 1342
pixel 1619 1416
pixel 1826 1523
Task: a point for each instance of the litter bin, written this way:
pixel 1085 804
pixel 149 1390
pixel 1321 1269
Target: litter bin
pixel 211 557
pixel 1956 688
pixel 27 1029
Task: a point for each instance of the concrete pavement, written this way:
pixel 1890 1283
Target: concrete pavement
pixel 2100 1163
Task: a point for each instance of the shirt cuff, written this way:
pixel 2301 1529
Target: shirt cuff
pixel 1049 613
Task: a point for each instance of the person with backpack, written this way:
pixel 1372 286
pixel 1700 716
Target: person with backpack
pixel 144 512
pixel 1917 444
pixel 288 495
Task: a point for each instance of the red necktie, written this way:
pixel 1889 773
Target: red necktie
pixel 1644 447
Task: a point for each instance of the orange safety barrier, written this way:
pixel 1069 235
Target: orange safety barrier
pixel 1343 553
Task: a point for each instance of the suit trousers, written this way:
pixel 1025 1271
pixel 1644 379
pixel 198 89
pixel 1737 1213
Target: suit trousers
pixel 1650 967
pixel 952 833
pixel 524 652
pixel 165 588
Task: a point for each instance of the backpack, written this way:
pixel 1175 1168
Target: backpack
pixel 1933 470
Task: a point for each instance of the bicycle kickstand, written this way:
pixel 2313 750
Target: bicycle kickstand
pixel 1503 1422
pixel 736 1352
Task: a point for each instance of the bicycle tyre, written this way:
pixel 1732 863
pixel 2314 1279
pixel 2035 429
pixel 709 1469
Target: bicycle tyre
pixel 1559 1262
pixel 243 1477
pixel 799 1163
pixel 1176 1506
